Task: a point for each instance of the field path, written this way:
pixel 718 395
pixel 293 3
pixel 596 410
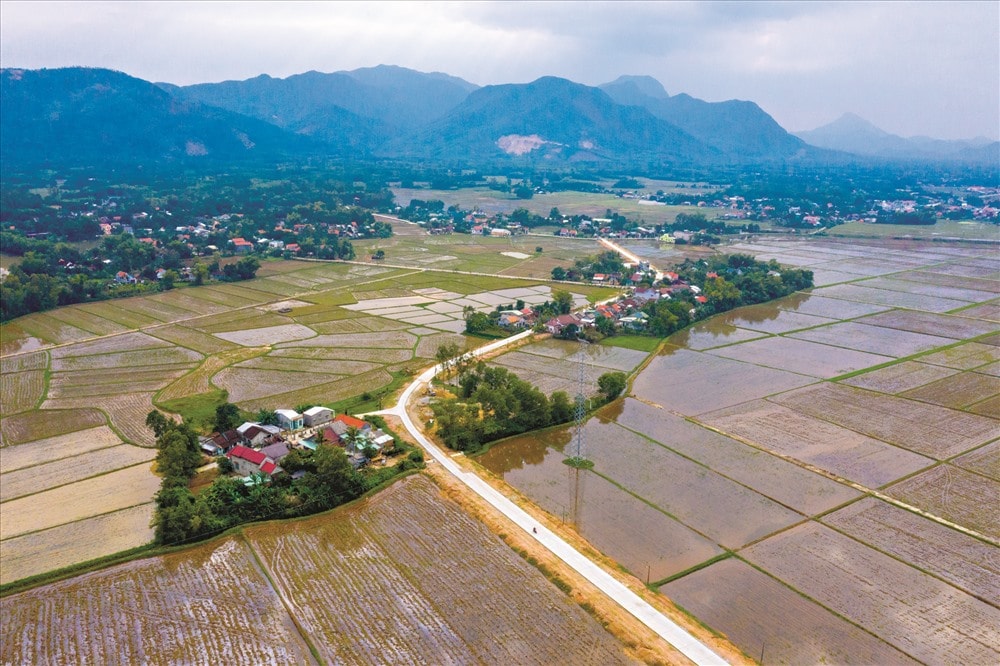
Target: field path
pixel 691 647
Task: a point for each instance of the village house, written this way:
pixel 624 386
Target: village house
pixel 316 416
pixel 256 434
pixel 289 419
pixel 247 461
pixel 556 325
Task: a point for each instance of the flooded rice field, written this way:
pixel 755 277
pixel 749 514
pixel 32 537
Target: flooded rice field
pixel 759 430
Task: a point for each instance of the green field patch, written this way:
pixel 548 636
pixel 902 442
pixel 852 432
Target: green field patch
pixel 115 312
pixel 21 391
pixel 161 311
pixel 192 339
pixel 276 287
pixel 50 329
pixel 286 364
pixel 197 410
pixel 199 380
pixel 86 321
pixel 215 294
pixel 324 394
pixel 634 342
pixel 130 359
pixel 186 299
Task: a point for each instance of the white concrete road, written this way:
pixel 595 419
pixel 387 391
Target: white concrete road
pixel 674 634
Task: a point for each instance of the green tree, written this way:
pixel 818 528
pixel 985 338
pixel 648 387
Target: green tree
pixel 227 417
pixel 157 422
pixel 561 407
pixel 563 300
pixel 611 384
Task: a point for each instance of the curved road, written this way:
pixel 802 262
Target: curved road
pixel 674 634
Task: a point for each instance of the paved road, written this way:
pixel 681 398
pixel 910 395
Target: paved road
pixel 687 644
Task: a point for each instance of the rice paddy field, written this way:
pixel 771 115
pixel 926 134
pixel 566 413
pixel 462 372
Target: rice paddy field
pixel 834 452
pixel 77 382
pixel 404 576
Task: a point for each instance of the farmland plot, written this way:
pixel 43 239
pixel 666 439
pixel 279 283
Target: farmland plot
pixel 286 364
pixel 940 290
pixel 51 330
pixel 987 311
pixel 20 391
pixel 958 391
pixel 57 447
pixel 117 313
pixel 138 358
pixel 729 596
pixel 43 423
pixel 899 377
pixel 86 321
pixel 112 380
pixel 968 563
pixel 324 393
pixel 892 299
pixel 692 382
pixel 127 412
pixel 60 472
pixel 245 384
pixel 964 498
pixel 829 307
pixel 928 429
pixel 846 453
pixel 806 358
pixel 924 617
pixel 387 356
pixel 768 318
pixel 116 343
pixel 710 334
pixel 981 284
pixel 402 555
pixel 198 381
pixel 948 326
pixel 183 336
pixel 177 608
pixel 873 339
pixel 391 339
pixel 24 362
pixel 268 335
pixel 773 477
pixel 985 461
pixel 116 490
pixel 969 356
pixel 702 499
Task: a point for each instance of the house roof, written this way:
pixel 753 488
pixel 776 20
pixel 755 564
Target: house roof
pixel 256 457
pixel 351 421
pixel 269 467
pixel 289 414
pixel 314 411
pixel 275 451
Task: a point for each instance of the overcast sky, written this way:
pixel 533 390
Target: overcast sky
pixel 911 68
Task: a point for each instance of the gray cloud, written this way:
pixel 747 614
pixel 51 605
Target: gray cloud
pixel 912 68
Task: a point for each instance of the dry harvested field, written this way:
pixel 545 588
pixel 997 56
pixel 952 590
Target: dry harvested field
pixel 984 460
pixel 116 490
pixel 72 543
pixel 899 377
pixel 922 616
pixel 793 630
pixel 927 429
pixel 269 335
pixel 964 561
pixel 343 354
pixel 964 498
pixel 692 383
pixel 41 424
pixel 987 312
pixel 209 604
pixel 958 391
pixel 390 339
pixel 61 472
pixel 127 412
pixel 968 356
pixel 402 560
pixel 58 447
pixel 24 362
pixel 128 359
pixel 847 454
pixel 323 393
pixel 198 381
pixel 245 384
pixel 21 391
pixel 800 356
pixel 112 344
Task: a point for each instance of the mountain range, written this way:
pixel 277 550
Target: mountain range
pixel 80 116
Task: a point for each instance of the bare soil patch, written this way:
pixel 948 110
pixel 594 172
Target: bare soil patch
pixel 43 423
pixel 962 497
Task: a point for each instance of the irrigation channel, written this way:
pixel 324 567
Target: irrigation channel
pixel 671 632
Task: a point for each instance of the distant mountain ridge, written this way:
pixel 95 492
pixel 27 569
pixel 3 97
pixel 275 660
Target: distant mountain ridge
pixel 853 134
pixel 82 115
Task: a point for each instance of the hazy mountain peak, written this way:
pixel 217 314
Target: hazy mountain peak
pixel 643 84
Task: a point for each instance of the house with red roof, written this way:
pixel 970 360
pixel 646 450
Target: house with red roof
pixel 248 461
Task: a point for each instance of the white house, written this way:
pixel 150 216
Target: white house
pixel 289 419
pixel 315 416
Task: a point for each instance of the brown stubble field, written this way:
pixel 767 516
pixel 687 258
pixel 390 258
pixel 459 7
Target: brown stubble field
pixel 404 576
